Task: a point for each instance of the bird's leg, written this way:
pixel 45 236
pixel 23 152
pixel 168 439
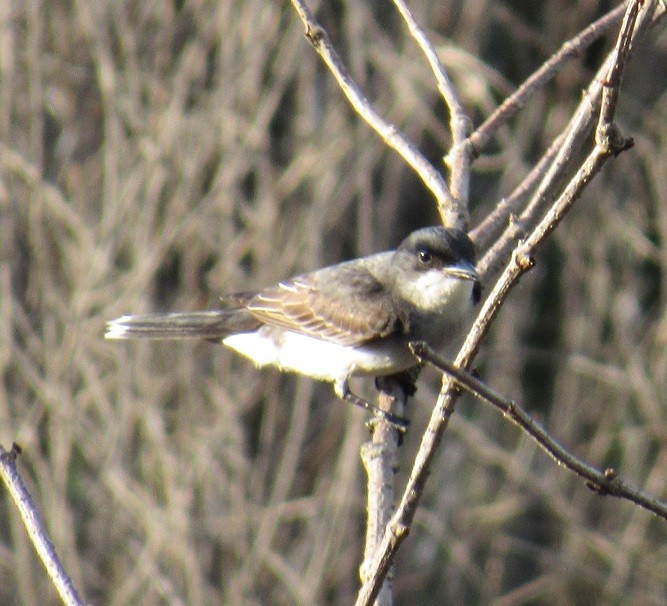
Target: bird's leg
pixel 342 390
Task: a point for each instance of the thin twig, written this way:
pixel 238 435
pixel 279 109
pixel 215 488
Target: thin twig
pixel 496 221
pixel 602 482
pixel 521 261
pixel 452 211
pixel 459 158
pixel 555 160
pixel 35 527
pixel 612 85
pixel 552 171
pixel 572 139
pixel 570 50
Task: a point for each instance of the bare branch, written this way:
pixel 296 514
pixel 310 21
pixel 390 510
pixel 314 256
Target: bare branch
pixel 496 221
pixel 570 50
pixel 459 156
pixel 522 261
pixel 612 83
pixel 380 459
pixel 452 211
pixel 571 141
pixel 602 482
pixel 35 527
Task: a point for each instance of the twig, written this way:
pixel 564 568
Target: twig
pixel 552 167
pixel 459 158
pixel 452 211
pixel 570 50
pixel 520 262
pixel 555 161
pixel 496 220
pixel 612 83
pixel 35 526
pixel 571 140
pixel 603 483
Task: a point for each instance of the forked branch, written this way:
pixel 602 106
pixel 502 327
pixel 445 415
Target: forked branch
pixel 521 261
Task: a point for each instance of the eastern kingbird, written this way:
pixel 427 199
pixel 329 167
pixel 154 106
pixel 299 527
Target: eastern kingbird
pixel 354 318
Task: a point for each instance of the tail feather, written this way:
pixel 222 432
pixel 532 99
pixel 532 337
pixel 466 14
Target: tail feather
pixel 211 325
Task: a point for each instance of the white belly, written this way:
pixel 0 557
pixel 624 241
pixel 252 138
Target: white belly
pixel 320 359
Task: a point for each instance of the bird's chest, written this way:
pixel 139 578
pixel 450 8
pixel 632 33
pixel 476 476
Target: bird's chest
pixel 442 321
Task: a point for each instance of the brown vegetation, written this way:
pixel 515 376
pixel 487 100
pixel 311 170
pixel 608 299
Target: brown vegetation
pixel 153 155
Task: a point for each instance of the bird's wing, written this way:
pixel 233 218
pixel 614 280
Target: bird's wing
pixel 344 304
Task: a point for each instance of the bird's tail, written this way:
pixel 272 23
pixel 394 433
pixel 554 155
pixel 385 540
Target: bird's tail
pixel 210 325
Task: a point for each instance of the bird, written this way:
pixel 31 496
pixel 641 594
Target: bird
pixel 354 318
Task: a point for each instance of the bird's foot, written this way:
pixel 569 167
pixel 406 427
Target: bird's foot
pixel 342 390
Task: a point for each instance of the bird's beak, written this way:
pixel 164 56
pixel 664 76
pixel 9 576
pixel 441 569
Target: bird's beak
pixel 465 271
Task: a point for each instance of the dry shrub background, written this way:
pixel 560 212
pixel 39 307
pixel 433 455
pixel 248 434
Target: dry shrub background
pixel 155 154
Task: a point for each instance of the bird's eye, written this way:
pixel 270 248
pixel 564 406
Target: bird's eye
pixel 424 257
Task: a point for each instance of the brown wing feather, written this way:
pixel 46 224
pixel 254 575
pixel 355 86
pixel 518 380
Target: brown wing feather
pixel 350 310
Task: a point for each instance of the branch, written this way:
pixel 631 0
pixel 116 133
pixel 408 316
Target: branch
pixel 570 50
pixel 496 220
pixel 460 155
pixel 554 163
pixel 35 526
pixel 552 172
pixel 571 140
pixel 380 459
pixel 603 483
pixel 452 211
pixel 521 261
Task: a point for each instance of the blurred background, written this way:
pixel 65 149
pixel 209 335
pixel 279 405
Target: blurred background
pixel 156 154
